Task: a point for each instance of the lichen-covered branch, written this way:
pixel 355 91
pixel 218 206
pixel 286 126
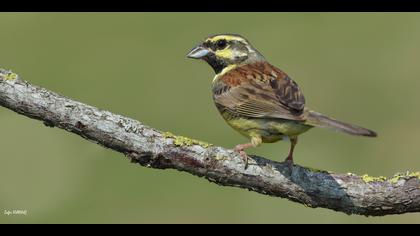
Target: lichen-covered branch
pixel 347 193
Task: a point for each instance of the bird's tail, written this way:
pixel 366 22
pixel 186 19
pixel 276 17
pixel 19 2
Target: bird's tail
pixel 318 120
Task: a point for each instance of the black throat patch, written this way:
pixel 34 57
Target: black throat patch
pixel 217 64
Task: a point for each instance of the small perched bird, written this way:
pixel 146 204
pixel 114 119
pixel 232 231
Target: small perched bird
pixel 257 99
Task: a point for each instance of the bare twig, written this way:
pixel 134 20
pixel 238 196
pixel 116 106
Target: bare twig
pixel 347 193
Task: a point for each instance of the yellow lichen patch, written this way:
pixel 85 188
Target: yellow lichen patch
pixel 220 157
pixel 369 179
pixel 414 174
pixel 407 175
pixel 10 76
pixel 307 204
pixel 184 141
pixel 396 178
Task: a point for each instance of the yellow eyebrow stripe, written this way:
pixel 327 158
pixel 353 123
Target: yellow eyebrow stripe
pixel 226 37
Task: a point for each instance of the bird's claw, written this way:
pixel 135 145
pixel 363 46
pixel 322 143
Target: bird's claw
pixel 243 154
pixel 289 164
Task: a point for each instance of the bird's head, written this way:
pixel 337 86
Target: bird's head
pixel 223 50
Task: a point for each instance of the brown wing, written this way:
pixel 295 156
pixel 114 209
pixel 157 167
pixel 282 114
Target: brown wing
pixel 259 90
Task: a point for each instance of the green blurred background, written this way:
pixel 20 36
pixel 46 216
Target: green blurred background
pixel 358 67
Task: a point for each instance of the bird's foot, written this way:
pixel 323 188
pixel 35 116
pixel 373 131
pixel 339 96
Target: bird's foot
pixel 243 154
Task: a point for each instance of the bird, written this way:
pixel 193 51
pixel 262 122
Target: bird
pixel 259 100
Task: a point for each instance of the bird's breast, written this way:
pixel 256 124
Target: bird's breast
pixel 270 130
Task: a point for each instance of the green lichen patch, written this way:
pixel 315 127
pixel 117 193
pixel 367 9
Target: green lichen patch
pixel 369 179
pixel 185 141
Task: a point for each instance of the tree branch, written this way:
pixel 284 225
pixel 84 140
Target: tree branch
pixel 347 193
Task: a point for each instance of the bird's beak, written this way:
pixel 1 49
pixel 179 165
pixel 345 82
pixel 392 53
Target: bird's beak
pixel 198 52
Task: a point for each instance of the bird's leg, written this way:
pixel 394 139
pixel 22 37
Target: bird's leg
pixel 289 159
pixel 255 141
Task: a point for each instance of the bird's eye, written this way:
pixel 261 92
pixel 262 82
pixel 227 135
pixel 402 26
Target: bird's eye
pixel 221 44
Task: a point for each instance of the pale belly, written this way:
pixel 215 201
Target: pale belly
pixel 270 130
